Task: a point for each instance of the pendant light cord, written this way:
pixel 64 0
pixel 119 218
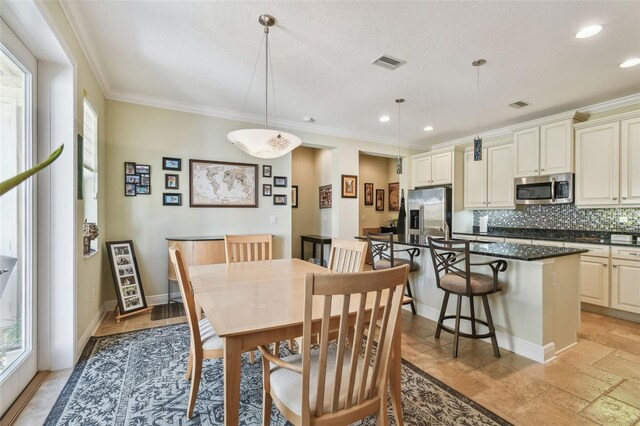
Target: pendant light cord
pixel 255 67
pixel 266 76
pixel 399 123
pixel 478 103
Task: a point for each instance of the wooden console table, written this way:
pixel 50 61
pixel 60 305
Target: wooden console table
pixel 314 240
pixel 195 251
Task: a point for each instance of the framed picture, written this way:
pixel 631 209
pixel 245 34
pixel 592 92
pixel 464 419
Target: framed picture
pixel 279 200
pixel 222 184
pixel 280 181
pixel 171 199
pixel 169 163
pixel 143 168
pixel 349 186
pixel 394 197
pixel 129 168
pixel 379 200
pixel 129 190
pixel 368 194
pixel 145 179
pixel 266 190
pixel 325 197
pixel 266 171
pixel 171 181
pixel 126 276
pixel 132 179
pixel 294 196
pixel 143 189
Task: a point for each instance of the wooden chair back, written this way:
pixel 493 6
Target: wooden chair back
pixel 451 256
pixel 188 300
pixel 381 247
pixel 347 255
pixel 248 248
pixel 334 297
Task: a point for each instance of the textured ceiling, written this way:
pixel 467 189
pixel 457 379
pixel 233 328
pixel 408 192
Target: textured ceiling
pixel 200 55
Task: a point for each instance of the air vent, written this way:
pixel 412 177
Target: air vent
pixel 519 104
pixel 388 62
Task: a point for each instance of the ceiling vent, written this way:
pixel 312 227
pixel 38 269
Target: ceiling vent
pixel 388 62
pixel 519 104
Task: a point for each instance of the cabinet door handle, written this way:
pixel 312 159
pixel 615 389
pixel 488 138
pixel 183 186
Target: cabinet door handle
pixel 634 254
pixel 604 264
pixel 615 198
pixel 535 170
pixel 624 198
pixel 542 170
pixel 615 266
pixel 3 270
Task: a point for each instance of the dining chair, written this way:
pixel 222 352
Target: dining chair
pixel 204 341
pixel 341 382
pixel 384 256
pixel 452 266
pixel 248 248
pixel 347 255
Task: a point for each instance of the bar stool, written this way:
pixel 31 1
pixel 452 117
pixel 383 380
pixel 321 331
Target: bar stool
pixel 452 258
pixel 383 257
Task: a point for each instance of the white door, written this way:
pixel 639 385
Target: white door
pixel 526 152
pixel 18 350
pixel 556 148
pixel 630 162
pixel 441 169
pixel 500 176
pixel 597 164
pixel 594 281
pixel 475 181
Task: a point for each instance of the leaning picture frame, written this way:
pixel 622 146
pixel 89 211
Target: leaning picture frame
pixel 126 276
pixel 240 184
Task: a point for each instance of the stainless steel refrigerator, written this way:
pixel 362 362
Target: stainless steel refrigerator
pixel 430 212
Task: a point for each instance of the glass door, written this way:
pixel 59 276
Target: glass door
pixel 18 351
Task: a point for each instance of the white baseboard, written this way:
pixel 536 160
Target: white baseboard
pixel 90 331
pixel 538 353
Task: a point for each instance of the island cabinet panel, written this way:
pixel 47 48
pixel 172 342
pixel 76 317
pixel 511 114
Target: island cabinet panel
pixel 556 148
pixel 475 181
pixel 625 285
pixel 594 281
pixel 597 164
pixel 526 149
pixel 630 162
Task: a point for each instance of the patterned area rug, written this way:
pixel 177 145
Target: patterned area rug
pixel 137 378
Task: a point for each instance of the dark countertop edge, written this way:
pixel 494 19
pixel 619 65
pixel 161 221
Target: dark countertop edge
pixel 529 259
pixel 214 238
pixel 537 238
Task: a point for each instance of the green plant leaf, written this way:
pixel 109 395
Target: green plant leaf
pixel 11 183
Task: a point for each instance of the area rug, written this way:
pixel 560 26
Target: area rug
pixel 165 311
pixel 137 378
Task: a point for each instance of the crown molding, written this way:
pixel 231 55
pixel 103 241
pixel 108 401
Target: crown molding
pixel 88 49
pixel 226 114
pixel 607 120
pixel 612 104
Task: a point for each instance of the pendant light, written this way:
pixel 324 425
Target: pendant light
pixel 265 143
pixel 399 158
pixel 477 142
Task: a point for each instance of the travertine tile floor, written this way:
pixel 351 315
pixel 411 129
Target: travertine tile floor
pixel 595 382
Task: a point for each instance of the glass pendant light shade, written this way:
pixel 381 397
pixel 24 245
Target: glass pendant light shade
pixel 264 143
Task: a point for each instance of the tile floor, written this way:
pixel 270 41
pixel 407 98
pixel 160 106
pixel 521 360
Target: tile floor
pixel 595 382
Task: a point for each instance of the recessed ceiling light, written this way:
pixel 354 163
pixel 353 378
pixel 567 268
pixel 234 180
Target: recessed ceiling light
pixel 630 63
pixel 385 118
pixel 428 128
pixel 589 31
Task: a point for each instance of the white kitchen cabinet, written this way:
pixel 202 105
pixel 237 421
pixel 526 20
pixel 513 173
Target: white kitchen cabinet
pixel 475 181
pixel 625 285
pixel 594 280
pixel 500 176
pixel 436 169
pixel 597 165
pixel 630 161
pixel 544 150
pixel 489 183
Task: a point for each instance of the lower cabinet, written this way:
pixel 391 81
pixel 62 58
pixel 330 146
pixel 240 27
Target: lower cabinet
pixel 625 285
pixel 594 280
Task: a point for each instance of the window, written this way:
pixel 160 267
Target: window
pixel 90 172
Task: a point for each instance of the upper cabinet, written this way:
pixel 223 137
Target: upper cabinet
pixel 608 161
pixel 544 150
pixel 435 169
pixel 489 183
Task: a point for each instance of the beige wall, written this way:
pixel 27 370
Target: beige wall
pixel 380 171
pixel 306 218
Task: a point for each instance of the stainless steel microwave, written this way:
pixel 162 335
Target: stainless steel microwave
pixel 551 189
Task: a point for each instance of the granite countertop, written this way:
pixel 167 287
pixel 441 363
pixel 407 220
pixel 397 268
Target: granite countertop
pixel 526 252
pixel 567 236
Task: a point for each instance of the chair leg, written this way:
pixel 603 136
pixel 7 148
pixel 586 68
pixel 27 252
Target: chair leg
pixel 456 335
pixel 492 329
pixel 382 417
pixel 189 366
pixel 291 346
pixel 195 384
pixel 443 310
pixel 473 316
pixel 266 393
pixel 410 294
pixel 252 357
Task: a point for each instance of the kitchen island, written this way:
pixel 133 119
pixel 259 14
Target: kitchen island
pixel 537 313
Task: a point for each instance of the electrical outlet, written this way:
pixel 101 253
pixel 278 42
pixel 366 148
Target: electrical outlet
pixel 420 281
pixel 274 220
pixel 553 278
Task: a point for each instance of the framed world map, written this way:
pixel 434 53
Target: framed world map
pixel 222 184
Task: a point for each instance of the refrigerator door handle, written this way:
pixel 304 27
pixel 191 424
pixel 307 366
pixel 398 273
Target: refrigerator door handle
pixel 421 219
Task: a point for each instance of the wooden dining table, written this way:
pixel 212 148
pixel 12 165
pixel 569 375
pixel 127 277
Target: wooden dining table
pixel 257 303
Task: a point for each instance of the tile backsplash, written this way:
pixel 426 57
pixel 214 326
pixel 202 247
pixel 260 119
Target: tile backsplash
pixel 564 216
